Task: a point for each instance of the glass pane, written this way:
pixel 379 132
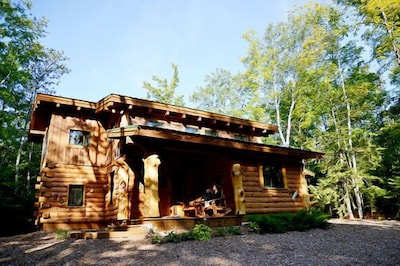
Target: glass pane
pixel 75 195
pixel 272 176
pixel 78 137
pixel 211 132
pixel 193 130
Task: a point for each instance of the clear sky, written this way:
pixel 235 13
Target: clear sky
pixel 115 45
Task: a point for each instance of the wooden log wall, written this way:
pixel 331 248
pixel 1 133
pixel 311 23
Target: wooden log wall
pixel 52 194
pixel 66 165
pixel 60 151
pixel 269 200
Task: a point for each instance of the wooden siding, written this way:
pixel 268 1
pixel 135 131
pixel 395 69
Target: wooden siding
pixel 52 194
pixel 59 151
pixel 267 200
pixel 65 165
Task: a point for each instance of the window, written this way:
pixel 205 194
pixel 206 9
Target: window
pixel 190 129
pixel 154 123
pixel 75 195
pixel 78 137
pixel 241 137
pixel 271 176
pixel 211 132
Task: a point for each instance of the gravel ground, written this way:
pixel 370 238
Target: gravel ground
pixel 345 243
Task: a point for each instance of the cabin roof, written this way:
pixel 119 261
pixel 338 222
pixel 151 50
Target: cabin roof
pixel 45 105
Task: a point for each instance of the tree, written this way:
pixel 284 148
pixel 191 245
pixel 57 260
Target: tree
pixel 353 96
pixel 224 93
pixel 309 77
pixel 45 73
pixel 26 68
pixel 381 19
pixel 284 65
pixel 165 92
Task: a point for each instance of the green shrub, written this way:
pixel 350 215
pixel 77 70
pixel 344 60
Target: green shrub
pixel 201 232
pixel 187 236
pixel 222 231
pixel 283 222
pixel 171 237
pixel 61 234
pixel 320 219
pixel 234 230
pixel 156 239
pixel 254 227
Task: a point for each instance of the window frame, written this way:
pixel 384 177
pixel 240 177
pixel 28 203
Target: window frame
pixel 282 172
pixel 86 135
pixel 70 203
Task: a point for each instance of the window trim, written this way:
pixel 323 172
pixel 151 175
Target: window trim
pixel 261 175
pixel 69 192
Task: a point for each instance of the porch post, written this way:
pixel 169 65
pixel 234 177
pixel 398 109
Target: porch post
pixel 238 191
pixel 151 197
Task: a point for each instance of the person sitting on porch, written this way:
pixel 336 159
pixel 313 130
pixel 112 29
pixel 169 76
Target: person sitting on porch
pixel 211 198
pixel 212 193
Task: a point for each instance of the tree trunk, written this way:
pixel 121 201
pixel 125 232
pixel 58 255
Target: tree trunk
pixel 278 115
pixel 353 164
pixel 347 200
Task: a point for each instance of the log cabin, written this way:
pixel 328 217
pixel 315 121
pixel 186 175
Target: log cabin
pixel 128 160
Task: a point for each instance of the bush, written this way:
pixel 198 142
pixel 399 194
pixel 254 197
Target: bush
pixel 171 237
pixel 234 230
pixel 284 222
pixel 61 234
pixel 201 232
pixel 254 227
pixel 222 231
pixel 156 239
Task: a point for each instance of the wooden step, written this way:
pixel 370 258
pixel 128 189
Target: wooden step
pixel 129 231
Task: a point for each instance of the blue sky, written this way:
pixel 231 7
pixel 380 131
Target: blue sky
pixel 115 45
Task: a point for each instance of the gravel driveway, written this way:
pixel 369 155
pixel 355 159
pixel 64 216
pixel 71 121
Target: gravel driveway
pixel 345 243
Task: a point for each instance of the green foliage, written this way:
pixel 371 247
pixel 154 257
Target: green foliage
pixel 222 231
pixel 156 239
pixel 234 230
pixel 26 68
pixel 254 227
pixel 284 222
pixel 165 92
pixel 172 237
pixel 61 234
pixel 201 232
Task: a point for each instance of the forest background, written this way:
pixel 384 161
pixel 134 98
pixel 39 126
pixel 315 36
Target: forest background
pixel 328 77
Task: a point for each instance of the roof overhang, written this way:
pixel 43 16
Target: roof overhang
pixel 171 135
pixel 117 103
pixel 45 105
